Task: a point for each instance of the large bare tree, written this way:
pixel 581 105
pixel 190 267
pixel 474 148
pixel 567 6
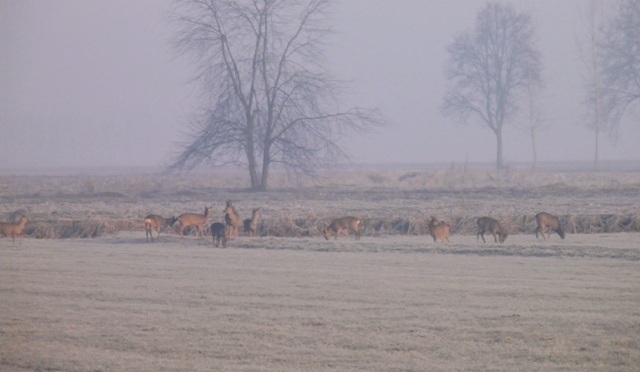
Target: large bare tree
pixel 620 50
pixel 491 67
pixel 268 98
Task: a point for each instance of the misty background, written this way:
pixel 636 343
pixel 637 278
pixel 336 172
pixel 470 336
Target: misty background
pixel 97 84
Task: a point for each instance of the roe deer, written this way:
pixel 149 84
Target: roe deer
pixel 14 229
pixel 547 221
pixel 490 225
pixel 251 224
pixel 219 233
pixel 157 223
pixel 343 224
pixel 232 220
pixel 439 230
pixel 193 219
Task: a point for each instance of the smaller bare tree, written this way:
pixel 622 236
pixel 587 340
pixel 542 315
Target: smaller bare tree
pixel 490 67
pixel 534 121
pixel 589 47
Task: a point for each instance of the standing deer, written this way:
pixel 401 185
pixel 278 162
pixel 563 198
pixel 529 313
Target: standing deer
pixel 193 219
pixel 548 221
pixel 490 225
pixel 219 233
pixel 439 230
pixel 343 224
pixel 232 220
pixel 14 229
pixel 251 224
pixel 157 223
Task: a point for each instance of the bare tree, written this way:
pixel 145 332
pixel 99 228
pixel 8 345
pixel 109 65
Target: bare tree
pixel 533 112
pixel 589 46
pixel 620 50
pixel 268 97
pixel 489 69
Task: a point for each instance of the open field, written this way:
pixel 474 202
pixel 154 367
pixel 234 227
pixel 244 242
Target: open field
pixel 401 303
pixel 391 301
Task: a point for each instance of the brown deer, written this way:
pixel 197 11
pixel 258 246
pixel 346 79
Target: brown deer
pixel 232 220
pixel 157 223
pixel 193 219
pixel 251 224
pixel 548 221
pixel 14 229
pixel 490 225
pixel 343 224
pixel 219 233
pixel 439 230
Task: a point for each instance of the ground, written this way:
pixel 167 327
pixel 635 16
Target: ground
pixel 387 302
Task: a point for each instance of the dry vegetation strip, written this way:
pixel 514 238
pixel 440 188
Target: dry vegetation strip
pixel 389 203
pixel 286 226
pixel 118 303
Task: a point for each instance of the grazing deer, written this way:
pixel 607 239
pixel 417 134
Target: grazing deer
pixel 251 224
pixel 157 223
pixel 14 229
pixel 232 220
pixel 547 221
pixel 439 230
pixel 343 224
pixel 219 233
pixel 490 225
pixel 193 219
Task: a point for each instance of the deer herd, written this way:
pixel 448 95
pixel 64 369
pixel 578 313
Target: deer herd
pixel 222 232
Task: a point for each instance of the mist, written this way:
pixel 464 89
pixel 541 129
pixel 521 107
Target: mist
pixel 96 84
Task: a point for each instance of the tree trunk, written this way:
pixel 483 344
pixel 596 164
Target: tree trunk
pixel 499 161
pixel 535 152
pixel 266 163
pixel 252 168
pixel 250 150
pixel 595 162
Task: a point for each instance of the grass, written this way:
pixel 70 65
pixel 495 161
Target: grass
pixel 118 303
pixel 293 301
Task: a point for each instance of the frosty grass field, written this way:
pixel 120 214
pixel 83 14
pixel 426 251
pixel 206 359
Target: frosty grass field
pixel 291 301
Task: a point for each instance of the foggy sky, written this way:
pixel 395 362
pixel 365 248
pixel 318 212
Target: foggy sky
pixel 95 83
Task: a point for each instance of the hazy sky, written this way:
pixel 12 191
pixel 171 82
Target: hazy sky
pixel 95 83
